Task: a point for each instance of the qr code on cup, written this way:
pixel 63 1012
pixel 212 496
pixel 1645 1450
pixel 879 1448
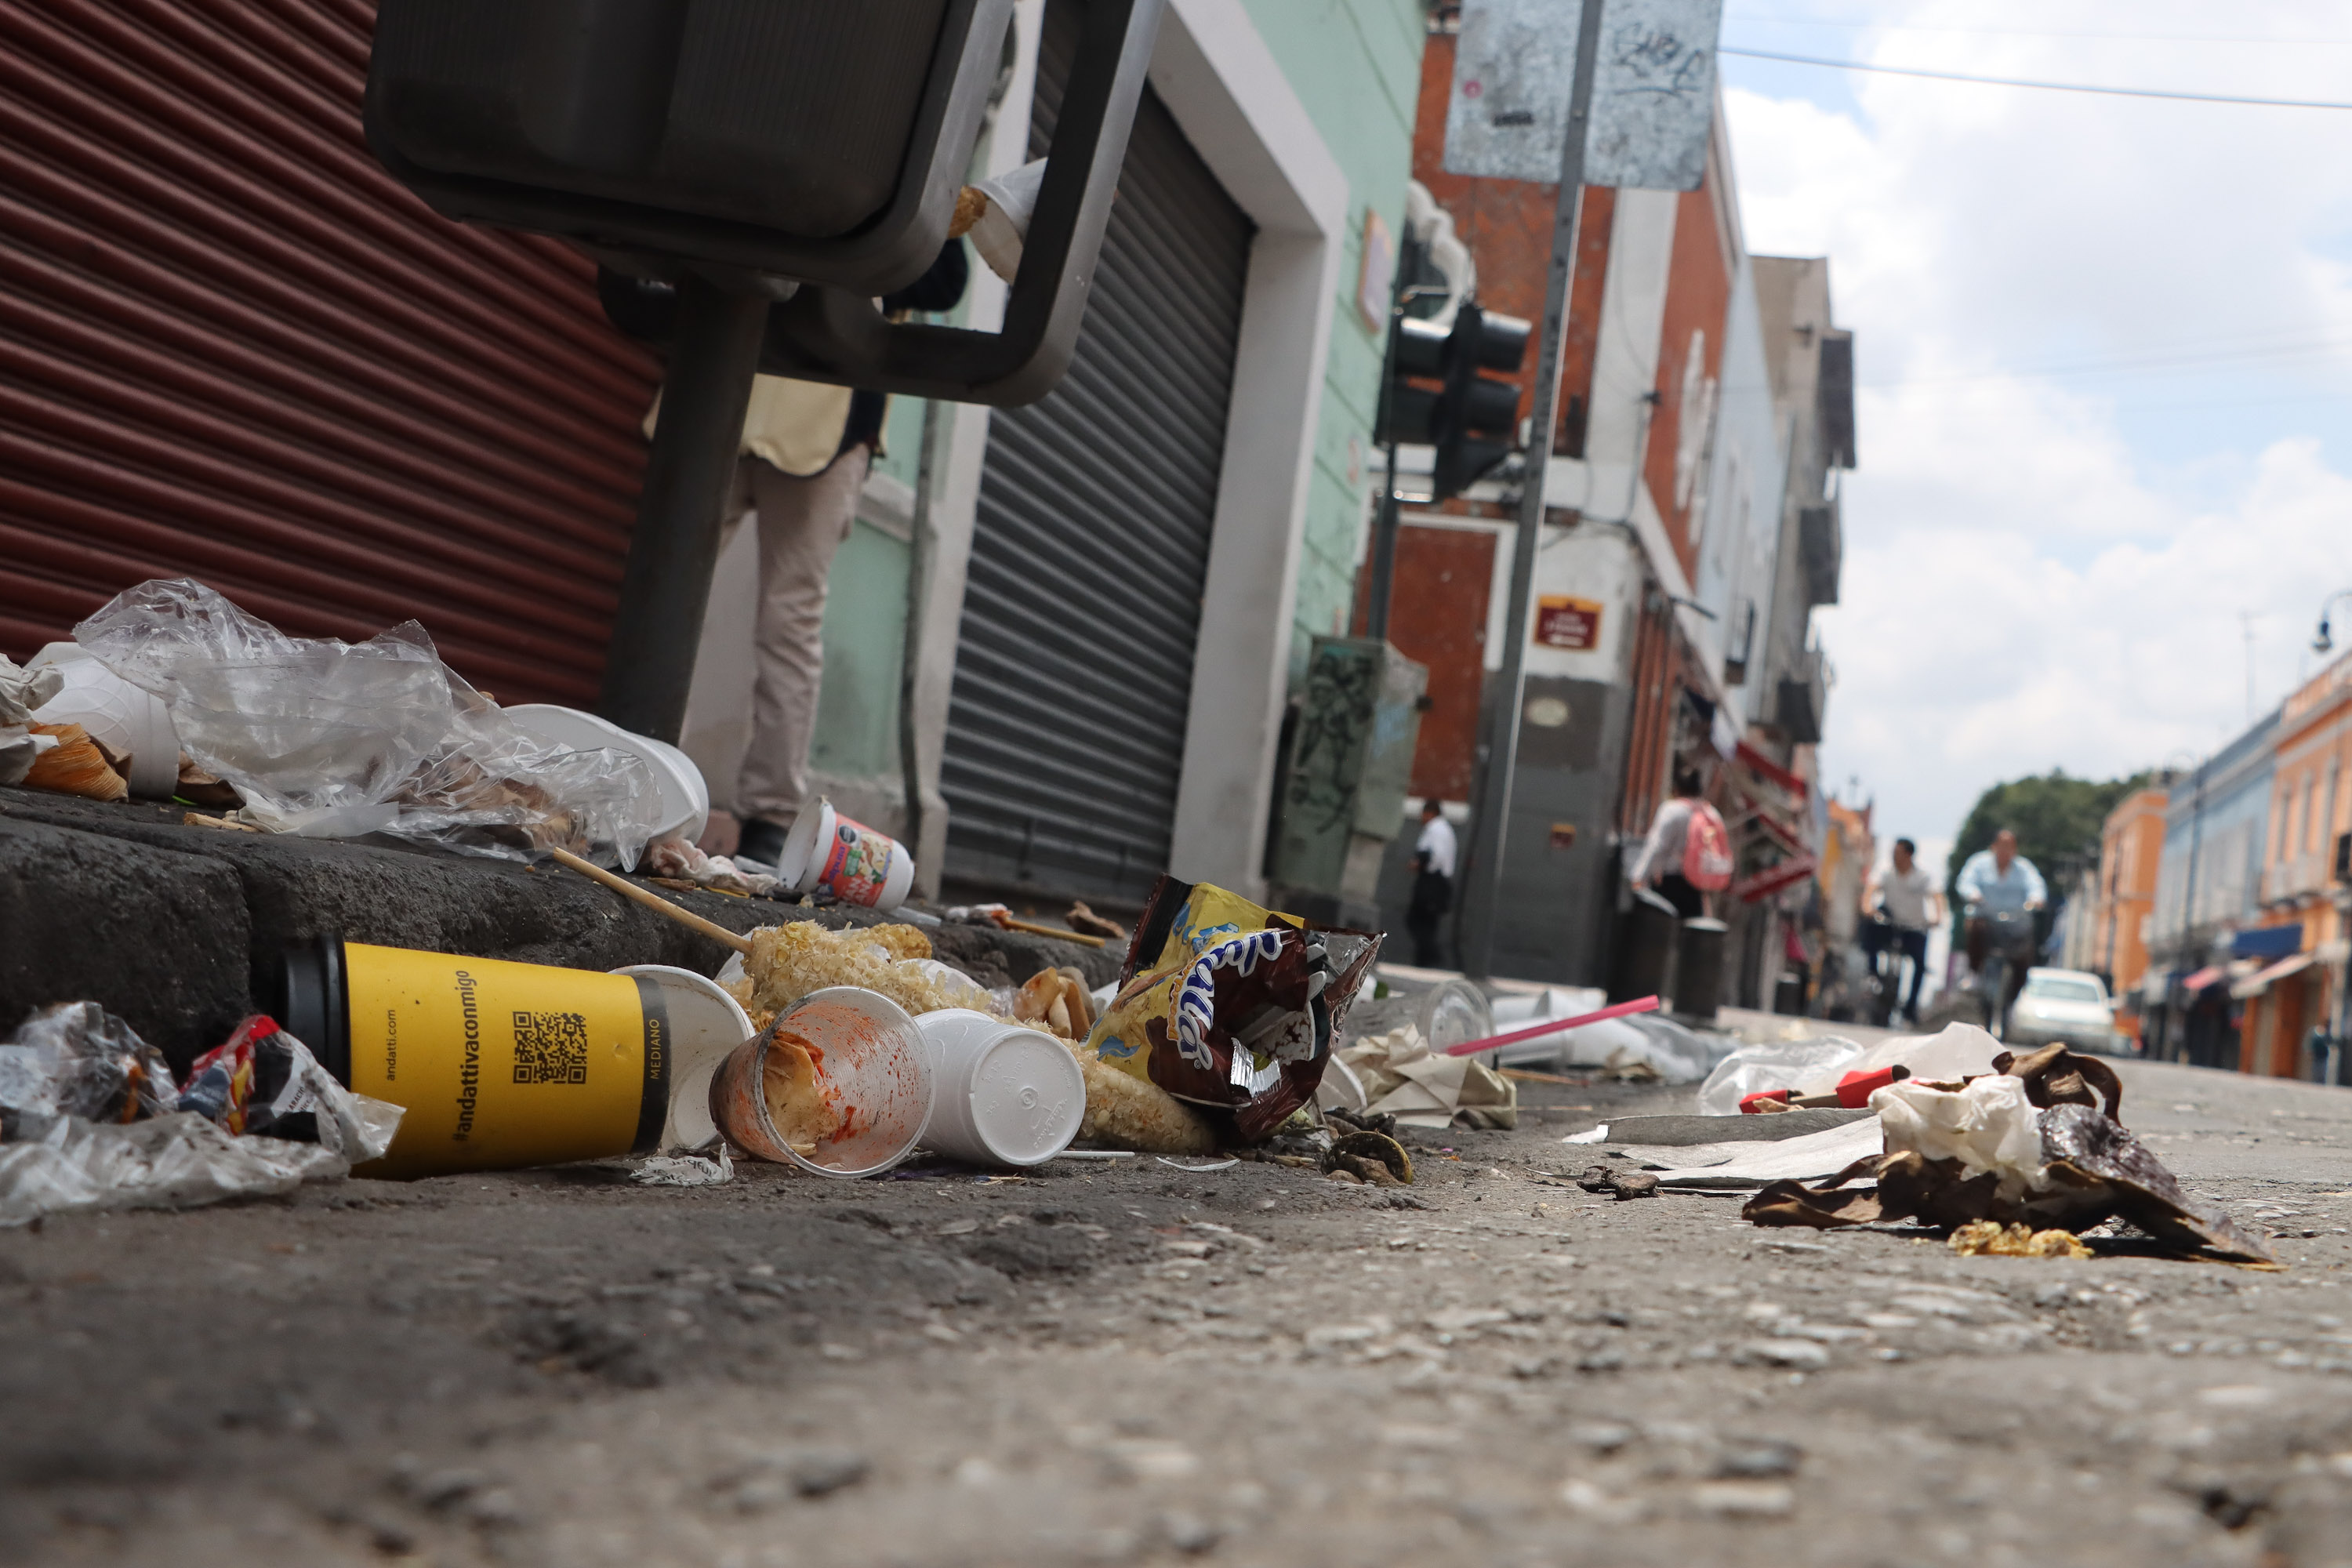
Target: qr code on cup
pixel 551 1047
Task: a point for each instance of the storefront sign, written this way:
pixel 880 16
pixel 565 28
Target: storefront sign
pixel 1564 622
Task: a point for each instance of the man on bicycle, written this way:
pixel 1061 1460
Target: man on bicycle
pixel 1912 905
pixel 2001 891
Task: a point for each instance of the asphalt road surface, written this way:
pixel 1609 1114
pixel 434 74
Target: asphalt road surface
pixel 1137 1364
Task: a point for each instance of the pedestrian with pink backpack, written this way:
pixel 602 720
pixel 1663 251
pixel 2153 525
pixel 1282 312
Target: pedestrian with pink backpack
pixel 1689 853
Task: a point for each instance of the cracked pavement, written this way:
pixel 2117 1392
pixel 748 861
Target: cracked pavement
pixel 1129 1362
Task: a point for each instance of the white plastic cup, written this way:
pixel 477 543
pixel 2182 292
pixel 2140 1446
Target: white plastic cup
pixel 125 716
pixel 704 1024
pixel 873 1062
pixel 1008 1094
pixel 861 865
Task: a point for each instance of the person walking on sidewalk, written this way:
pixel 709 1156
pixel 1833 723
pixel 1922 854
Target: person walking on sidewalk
pixel 802 465
pixel 1665 862
pixel 1913 906
pixel 1433 885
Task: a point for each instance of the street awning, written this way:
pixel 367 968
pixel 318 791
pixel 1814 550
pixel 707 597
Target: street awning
pixel 2202 978
pixel 2259 982
pixel 2267 942
pixel 1765 767
pixel 1767 882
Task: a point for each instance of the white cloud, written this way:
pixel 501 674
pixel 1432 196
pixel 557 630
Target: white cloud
pixel 2039 573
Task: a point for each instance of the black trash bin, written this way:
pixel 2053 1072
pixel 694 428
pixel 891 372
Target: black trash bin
pixel 1789 993
pixel 1698 969
pixel 1646 935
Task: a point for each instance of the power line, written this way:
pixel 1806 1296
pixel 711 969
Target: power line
pixel 2156 360
pixel 2019 32
pixel 2043 86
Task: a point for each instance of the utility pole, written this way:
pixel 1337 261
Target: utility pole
pixel 1499 749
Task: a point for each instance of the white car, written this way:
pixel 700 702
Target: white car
pixel 2064 1007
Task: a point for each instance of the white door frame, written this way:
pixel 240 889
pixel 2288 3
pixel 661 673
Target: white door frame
pixel 1222 83
pixel 1215 74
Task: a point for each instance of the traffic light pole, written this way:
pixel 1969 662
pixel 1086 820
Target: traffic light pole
pixel 674 549
pixel 1499 739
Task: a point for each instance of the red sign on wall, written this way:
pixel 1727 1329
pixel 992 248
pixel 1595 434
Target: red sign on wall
pixel 1564 622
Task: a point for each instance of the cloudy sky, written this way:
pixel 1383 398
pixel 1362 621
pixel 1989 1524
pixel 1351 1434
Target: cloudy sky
pixel 2104 350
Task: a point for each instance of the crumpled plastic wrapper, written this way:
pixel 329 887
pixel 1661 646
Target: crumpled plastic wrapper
pixel 92 1120
pixel 1989 1125
pixel 1225 1003
pixel 713 1170
pixel 329 739
pixel 77 1061
pixel 1404 1078
pixel 264 1083
pixel 22 692
pixel 174 1161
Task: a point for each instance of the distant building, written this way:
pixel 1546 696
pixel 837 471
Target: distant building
pixel 2299 987
pixel 2131 852
pixel 1706 410
pixel 2208 891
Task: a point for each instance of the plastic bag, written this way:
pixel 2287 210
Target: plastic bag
pixel 1774 1064
pixel 77 1059
pixel 1989 1125
pixel 264 1083
pixel 21 691
pixel 172 1162
pixel 330 739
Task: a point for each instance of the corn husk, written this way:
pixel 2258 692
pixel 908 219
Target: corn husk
pixel 1124 1111
pixel 75 766
pixel 788 962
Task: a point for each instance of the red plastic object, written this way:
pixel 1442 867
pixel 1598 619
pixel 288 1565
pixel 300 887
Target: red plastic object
pixel 1752 1104
pixel 1855 1089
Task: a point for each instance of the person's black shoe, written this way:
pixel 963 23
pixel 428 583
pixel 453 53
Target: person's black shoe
pixel 762 840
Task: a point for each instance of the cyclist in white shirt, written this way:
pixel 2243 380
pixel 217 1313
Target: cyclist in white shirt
pixel 1913 906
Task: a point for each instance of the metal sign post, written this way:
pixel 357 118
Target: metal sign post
pixel 1499 754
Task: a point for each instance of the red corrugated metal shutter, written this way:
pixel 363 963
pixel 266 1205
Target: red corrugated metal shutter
pixel 232 349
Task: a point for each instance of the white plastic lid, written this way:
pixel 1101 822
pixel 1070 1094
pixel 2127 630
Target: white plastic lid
pixel 705 1024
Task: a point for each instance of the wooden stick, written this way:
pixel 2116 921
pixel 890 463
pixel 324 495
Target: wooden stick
pixel 1035 930
pixel 653 901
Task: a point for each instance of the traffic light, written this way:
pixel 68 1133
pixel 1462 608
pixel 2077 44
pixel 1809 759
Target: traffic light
pixel 1472 418
pixel 1478 418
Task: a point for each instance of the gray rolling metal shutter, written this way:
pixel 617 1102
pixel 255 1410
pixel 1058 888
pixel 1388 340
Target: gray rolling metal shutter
pixel 1066 731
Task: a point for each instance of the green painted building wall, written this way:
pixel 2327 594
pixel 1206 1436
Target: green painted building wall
pixel 1356 67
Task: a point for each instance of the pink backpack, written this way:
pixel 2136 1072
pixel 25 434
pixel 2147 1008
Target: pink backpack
pixel 1706 850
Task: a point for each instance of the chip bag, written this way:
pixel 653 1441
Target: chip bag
pixel 1228 1005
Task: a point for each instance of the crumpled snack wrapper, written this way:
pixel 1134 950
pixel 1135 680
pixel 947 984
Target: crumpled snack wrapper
pixel 1225 1003
pixel 1404 1079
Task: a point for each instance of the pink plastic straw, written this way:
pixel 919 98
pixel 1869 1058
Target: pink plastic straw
pixel 1552 1027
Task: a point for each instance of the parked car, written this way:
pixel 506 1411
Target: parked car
pixel 2068 1007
